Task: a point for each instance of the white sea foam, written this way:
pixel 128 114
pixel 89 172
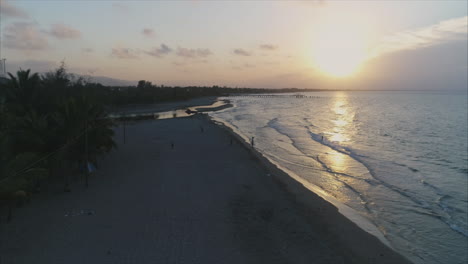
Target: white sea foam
pixel 396 158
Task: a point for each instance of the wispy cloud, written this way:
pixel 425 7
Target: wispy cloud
pixel 124 53
pixel 9 10
pixel 268 47
pixel 62 31
pixel 444 31
pixel 241 52
pixel 160 51
pixel 193 53
pixel 24 36
pixel 148 32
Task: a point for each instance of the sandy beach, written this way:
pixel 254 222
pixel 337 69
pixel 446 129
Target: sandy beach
pixel 204 200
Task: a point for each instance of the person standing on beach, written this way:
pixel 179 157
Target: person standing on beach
pixel 252 142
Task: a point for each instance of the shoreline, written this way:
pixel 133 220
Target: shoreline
pixel 346 223
pixel 212 105
pixel 166 106
pixel 259 209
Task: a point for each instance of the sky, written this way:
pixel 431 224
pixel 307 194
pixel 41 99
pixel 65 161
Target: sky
pixel 266 44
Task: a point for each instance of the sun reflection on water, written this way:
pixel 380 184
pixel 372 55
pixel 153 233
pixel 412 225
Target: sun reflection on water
pixel 338 161
pixel 339 133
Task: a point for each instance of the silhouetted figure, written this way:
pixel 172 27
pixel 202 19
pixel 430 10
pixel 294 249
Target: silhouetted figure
pixel 252 141
pixel 322 138
pixel 172 144
pixel 201 129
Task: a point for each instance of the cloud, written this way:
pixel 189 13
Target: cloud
pixel 193 53
pixel 159 52
pixel 148 32
pixel 24 36
pixel 242 52
pixel 444 31
pixel 9 10
pixel 268 47
pixel 442 66
pixel 62 31
pixel 124 53
pixel 87 50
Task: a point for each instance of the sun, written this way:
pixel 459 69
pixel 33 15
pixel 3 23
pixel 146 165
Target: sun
pixel 339 47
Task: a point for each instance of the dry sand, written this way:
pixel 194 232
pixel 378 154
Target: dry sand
pixel 205 201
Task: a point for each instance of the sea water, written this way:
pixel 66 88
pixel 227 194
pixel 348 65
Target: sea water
pixel 399 159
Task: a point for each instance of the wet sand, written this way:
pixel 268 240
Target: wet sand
pixel 203 201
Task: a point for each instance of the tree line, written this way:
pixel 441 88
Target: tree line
pixel 147 93
pixel 51 125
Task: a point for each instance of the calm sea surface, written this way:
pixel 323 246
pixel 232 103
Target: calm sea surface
pixel 399 159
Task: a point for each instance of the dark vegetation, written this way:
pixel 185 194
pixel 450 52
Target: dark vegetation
pixel 52 125
pixel 147 93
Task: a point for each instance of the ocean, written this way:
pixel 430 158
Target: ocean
pixel 398 159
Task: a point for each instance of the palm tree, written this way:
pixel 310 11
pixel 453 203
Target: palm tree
pixel 46 123
pixel 84 127
pixel 23 90
pixel 19 170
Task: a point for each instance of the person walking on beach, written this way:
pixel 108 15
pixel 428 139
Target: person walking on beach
pixel 252 142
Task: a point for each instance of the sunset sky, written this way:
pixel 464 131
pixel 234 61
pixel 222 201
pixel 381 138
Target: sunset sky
pixel 304 44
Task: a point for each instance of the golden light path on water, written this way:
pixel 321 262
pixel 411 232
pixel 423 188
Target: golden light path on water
pixel 340 131
pixel 342 119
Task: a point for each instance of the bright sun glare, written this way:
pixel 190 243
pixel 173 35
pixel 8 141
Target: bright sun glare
pixel 339 47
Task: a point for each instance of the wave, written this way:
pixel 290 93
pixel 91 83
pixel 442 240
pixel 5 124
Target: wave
pixel 415 170
pixel 421 203
pixel 376 180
